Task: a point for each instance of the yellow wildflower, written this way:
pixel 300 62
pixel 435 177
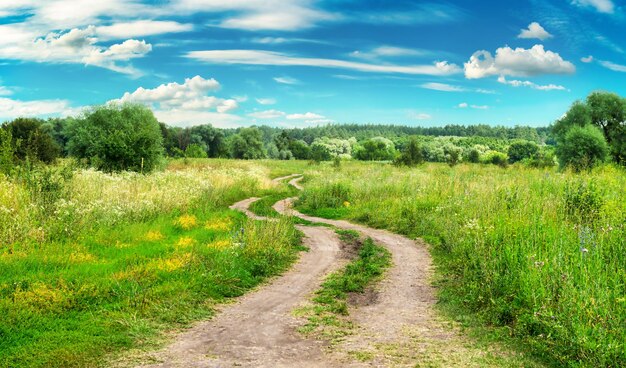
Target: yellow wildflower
pixel 187 222
pixel 154 235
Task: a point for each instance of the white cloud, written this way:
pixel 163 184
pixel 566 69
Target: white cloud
pixel 535 30
pixel 189 99
pixel 602 6
pixel 614 67
pixel 517 62
pixel 75 46
pixel 141 28
pixel 419 116
pixel 442 87
pixel 587 59
pixel 259 57
pixel 388 51
pixel 266 101
pixel 267 114
pixel 305 116
pixel 518 83
pixel 4 91
pixel 465 105
pixel 10 109
pixel 286 80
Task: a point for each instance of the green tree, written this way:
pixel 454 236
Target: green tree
pixel 412 154
pixel 195 151
pixel 453 154
pixel 248 144
pixel 582 148
pixel 8 147
pixel 300 149
pixel 376 149
pixel 520 150
pixel 117 137
pixel 36 143
pixel 608 112
pixel 320 152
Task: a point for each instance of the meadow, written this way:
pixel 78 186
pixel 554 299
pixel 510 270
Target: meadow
pixel 538 253
pixel 93 265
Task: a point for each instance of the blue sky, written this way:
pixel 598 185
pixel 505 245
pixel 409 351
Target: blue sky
pixel 304 62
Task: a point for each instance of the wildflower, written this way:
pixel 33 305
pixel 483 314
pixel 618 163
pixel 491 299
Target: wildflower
pixel 187 222
pixel 584 250
pixel 346 204
pixel 154 236
pixel 185 242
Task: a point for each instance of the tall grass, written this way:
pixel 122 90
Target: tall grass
pixel 540 252
pixel 114 260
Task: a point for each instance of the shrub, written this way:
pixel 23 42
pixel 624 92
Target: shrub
pixel 453 154
pixel 7 151
pixel 412 155
pixel 473 155
pixel 496 158
pixel 583 201
pixel 582 148
pixel 35 143
pixel 195 151
pixel 117 138
pixel 521 150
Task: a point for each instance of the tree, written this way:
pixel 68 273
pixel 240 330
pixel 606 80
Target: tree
pixel 520 150
pixel 582 148
pixel 320 152
pixel 453 154
pixel 7 151
pixel 300 149
pixel 36 144
pixel 247 144
pixel 117 137
pixel 376 149
pixel 608 112
pixel 195 151
pixel 412 154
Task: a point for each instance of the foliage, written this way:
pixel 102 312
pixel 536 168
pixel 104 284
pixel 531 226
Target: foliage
pixel 195 151
pixel 521 150
pixel 453 154
pixel 376 149
pixel 582 148
pixel 7 151
pixel 300 149
pixel 248 144
pixel 117 138
pixel 412 154
pixel 495 158
pixel 36 144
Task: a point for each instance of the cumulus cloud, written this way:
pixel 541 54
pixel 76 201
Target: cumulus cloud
pixel 10 108
pixel 307 117
pixel 535 30
pixel 4 91
pixel 190 100
pixel 140 28
pixel 602 6
pixel 517 62
pixel 463 105
pixel 259 57
pixel 76 46
pixel 519 83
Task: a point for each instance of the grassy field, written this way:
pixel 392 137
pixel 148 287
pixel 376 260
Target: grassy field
pixel 115 260
pixel 540 253
pixel 94 264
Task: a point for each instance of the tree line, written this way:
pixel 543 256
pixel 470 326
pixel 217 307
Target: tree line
pixel 128 137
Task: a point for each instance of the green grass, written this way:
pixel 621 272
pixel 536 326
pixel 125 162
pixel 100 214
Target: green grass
pixel 80 298
pixel 537 254
pixel 330 304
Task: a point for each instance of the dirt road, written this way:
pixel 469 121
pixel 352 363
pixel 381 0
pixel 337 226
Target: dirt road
pixel 398 328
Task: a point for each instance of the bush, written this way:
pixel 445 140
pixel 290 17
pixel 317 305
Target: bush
pixel 582 148
pixel 521 150
pixel 35 144
pixel 117 138
pixel 583 201
pixel 473 155
pixel 7 151
pixel 195 151
pixel 412 155
pixel 453 154
pixel 496 158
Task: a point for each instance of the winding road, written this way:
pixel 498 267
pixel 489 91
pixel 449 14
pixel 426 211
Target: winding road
pixel 399 328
